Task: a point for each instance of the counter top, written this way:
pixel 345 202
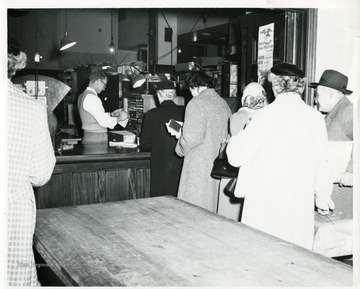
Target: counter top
pixel 99 152
pixel 164 241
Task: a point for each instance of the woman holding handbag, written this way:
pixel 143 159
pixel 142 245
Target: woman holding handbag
pixel 282 152
pixel 253 99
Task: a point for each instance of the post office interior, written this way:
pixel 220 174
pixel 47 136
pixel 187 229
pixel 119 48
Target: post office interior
pixel 222 41
pixel 158 44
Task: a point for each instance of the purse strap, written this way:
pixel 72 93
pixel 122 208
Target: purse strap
pixel 223 144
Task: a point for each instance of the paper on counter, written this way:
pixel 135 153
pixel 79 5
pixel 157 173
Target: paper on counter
pixel 122 144
pixel 117 112
pixel 124 122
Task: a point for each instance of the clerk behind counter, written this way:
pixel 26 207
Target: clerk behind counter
pixel 95 121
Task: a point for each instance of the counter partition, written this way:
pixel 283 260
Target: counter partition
pixel 96 173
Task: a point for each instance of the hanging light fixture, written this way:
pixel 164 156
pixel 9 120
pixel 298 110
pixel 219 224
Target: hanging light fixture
pixel 66 42
pixel 112 45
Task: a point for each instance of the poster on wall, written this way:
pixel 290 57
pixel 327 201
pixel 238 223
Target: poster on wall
pixel 265 50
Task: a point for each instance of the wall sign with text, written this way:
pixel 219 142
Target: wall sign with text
pixel 265 49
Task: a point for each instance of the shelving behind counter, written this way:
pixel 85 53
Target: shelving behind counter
pixel 89 174
pixel 138 104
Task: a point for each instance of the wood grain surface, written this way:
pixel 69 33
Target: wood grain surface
pixel 164 241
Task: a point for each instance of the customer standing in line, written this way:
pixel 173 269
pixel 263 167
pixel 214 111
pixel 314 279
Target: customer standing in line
pixel 205 126
pixel 331 95
pixel 95 121
pixel 252 99
pixel 165 164
pixel 30 162
pixel 284 149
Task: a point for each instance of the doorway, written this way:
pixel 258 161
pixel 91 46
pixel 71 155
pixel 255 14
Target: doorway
pixel 294 42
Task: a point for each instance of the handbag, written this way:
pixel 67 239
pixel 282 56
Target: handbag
pixel 222 168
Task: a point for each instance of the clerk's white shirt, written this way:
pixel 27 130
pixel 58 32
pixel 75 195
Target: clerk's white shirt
pixel 92 104
pixel 281 153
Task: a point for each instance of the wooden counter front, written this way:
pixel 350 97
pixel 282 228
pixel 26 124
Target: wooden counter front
pixel 96 173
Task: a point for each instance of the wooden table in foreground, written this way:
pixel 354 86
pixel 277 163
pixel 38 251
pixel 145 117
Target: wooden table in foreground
pixel 164 241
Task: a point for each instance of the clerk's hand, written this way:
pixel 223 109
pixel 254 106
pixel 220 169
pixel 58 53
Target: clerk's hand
pixel 120 114
pixel 345 180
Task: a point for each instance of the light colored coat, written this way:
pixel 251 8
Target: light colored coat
pixel 339 124
pixel 282 151
pixel 205 126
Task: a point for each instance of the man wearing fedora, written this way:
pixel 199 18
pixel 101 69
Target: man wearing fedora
pixel 331 97
pixel 331 94
pixel 164 163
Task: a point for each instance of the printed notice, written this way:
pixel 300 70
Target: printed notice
pixel 265 49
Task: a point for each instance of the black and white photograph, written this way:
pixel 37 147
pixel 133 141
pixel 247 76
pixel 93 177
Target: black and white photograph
pixel 159 144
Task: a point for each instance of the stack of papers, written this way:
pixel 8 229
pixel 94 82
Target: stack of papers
pixel 122 144
pixel 121 136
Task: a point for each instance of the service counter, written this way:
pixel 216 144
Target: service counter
pixel 96 173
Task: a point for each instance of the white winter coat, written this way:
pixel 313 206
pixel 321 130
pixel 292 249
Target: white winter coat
pixel 281 153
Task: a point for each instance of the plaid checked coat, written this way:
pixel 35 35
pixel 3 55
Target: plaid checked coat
pixel 30 162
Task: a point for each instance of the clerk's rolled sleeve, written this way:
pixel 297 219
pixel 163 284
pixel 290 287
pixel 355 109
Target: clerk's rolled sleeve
pixel 93 105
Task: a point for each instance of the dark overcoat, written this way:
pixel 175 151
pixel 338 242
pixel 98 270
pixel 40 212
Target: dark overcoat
pixel 165 164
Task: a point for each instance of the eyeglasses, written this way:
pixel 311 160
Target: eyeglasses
pixel 103 83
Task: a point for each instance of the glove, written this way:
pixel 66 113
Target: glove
pixel 325 209
pixel 345 180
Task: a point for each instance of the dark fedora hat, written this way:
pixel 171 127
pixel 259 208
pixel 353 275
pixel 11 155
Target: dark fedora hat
pixel 333 79
pixel 287 69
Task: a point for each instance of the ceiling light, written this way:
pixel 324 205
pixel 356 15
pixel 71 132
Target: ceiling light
pixel 112 46
pixel 66 42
